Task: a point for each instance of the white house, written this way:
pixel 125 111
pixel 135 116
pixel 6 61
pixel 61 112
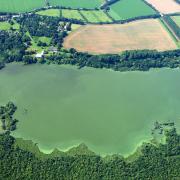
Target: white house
pixel 39 55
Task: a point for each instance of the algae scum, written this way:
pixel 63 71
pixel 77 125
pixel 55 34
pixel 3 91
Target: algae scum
pixel 111 112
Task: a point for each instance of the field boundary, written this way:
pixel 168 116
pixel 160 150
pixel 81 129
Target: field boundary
pixel 151 6
pixel 113 21
pixel 170 32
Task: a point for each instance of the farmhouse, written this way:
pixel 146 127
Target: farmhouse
pixel 39 55
pixel 53 49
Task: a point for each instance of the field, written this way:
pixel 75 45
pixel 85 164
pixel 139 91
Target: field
pixel 91 16
pixel 126 9
pixel 75 27
pixel 176 19
pixel 20 5
pixel 144 34
pixel 168 6
pixel 71 14
pixel 77 3
pixel 49 12
pixel 95 16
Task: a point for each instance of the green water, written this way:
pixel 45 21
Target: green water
pixel 111 112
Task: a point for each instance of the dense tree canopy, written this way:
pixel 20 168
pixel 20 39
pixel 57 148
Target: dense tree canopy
pixel 6 117
pixel 155 162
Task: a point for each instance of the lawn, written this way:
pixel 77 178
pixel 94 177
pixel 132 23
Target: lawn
pixel 50 12
pixel 43 39
pixel 20 5
pixel 34 42
pixel 176 19
pixel 77 3
pixel 6 26
pixel 95 16
pixel 126 9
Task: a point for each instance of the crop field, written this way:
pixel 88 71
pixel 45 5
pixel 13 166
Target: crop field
pixel 71 14
pixel 168 6
pixel 77 3
pixel 101 39
pixel 66 13
pixel 126 9
pixel 20 5
pixel 91 16
pixel 95 16
pixel 176 19
pixel 50 12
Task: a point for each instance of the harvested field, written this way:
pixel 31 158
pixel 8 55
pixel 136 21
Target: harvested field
pixel 165 6
pixel 101 39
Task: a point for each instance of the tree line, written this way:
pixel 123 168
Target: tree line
pixel 141 60
pixel 160 161
pixel 172 25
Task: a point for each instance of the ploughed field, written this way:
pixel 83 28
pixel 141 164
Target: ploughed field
pixel 111 112
pixel 165 6
pixel 100 39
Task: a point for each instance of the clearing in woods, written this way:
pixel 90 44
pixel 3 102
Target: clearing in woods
pixel 101 39
pixel 165 6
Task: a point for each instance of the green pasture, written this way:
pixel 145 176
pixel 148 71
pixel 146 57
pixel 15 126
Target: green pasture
pixel 126 9
pixel 91 16
pixel 77 3
pixel 95 16
pixel 17 6
pixel 71 14
pixel 49 12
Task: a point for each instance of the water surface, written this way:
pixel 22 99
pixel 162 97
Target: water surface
pixel 112 112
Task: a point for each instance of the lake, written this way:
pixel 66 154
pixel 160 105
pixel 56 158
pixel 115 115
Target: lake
pixel 111 112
